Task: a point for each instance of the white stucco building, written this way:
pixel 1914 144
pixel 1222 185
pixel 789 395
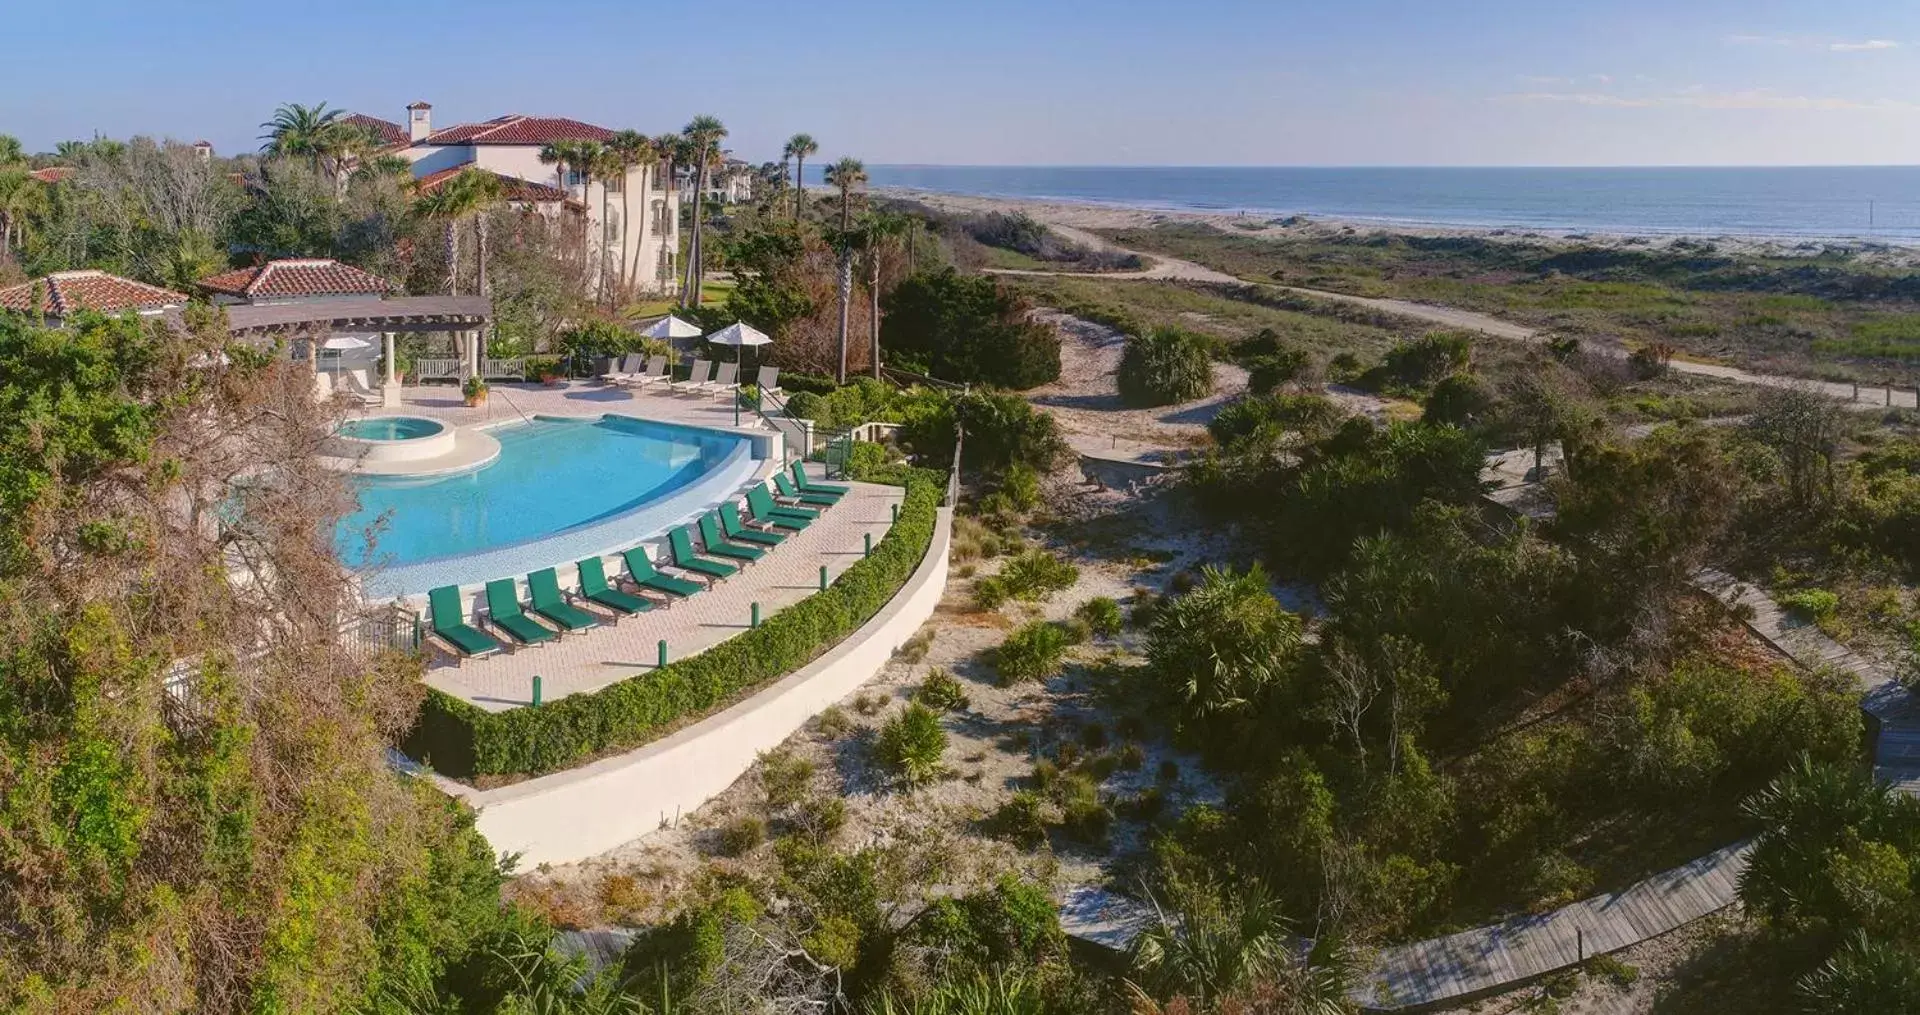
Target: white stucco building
pixel 633 221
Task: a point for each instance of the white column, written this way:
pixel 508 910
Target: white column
pixel 390 391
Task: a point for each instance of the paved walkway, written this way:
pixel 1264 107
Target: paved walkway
pixel 507 402
pixel 592 659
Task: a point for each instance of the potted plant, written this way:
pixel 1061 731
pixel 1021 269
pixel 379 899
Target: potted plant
pixel 546 369
pixel 476 391
pixel 749 396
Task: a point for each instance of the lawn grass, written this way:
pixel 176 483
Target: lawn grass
pixel 710 292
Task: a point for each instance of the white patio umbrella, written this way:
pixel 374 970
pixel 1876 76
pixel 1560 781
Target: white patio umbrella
pixel 741 336
pixel 669 328
pixel 341 343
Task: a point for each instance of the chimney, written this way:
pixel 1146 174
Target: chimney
pixel 204 149
pixel 419 121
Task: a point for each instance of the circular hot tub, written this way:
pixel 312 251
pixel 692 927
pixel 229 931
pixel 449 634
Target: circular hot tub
pixel 393 438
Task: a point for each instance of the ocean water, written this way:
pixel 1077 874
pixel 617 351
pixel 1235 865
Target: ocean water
pixel 1851 202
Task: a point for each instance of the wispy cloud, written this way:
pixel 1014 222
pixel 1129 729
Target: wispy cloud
pixel 1813 43
pixel 1698 98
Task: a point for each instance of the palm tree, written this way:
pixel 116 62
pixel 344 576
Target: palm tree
pixel 630 148
pixel 10 150
pixel 21 197
pixel 800 146
pixel 881 232
pixel 577 156
pixel 845 175
pixel 667 149
pixel 467 196
pixel 300 131
pixel 703 135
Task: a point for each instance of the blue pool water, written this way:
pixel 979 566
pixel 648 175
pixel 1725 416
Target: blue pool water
pixel 390 428
pixel 553 476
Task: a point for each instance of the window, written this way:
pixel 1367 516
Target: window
pixel 614 184
pixel 613 225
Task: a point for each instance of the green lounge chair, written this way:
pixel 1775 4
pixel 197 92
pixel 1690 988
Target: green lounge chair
pixel 791 492
pixel 640 569
pixel 800 480
pixel 550 603
pixel 503 612
pixel 450 623
pixel 760 504
pixel 736 529
pixel 685 559
pixel 593 586
pixel 718 545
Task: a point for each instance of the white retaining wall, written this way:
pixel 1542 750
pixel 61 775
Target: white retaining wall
pixel 572 815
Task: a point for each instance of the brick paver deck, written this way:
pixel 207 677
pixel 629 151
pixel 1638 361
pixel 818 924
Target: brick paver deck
pixel 592 659
pixel 576 398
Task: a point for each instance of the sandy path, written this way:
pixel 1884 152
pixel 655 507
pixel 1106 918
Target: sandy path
pixel 1086 397
pixel 1073 221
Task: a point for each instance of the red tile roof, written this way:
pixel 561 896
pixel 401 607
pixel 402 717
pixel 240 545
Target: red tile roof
pixel 390 133
pixel 514 188
pixel 316 276
pixel 65 292
pixel 53 174
pixel 516 129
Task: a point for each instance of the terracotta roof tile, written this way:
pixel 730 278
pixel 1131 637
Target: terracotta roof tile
pixel 295 277
pixel 53 174
pixel 65 292
pixel 390 133
pixel 515 188
pixel 515 129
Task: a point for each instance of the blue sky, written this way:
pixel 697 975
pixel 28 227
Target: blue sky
pixel 1042 82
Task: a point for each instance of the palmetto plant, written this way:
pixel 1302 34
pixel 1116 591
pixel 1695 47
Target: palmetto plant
pixel 1218 646
pixel 798 148
pixel 1207 943
pixel 845 176
pixel 703 136
pixel 21 197
pixel 1806 815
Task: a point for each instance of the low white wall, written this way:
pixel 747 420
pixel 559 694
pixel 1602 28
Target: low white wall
pixel 573 815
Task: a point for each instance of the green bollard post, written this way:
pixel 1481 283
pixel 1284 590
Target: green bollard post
pixel 823 577
pixel 663 652
pixel 754 619
pixel 868 539
pixel 536 690
pixel 896 512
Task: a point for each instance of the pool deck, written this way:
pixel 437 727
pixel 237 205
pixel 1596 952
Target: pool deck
pixel 509 402
pixel 592 659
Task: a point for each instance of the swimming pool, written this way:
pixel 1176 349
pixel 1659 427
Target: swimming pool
pixel 560 488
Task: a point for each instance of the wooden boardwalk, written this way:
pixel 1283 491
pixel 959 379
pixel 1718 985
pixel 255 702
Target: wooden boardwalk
pixel 1499 956
pixel 1494 957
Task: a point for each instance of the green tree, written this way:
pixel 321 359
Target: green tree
pixel 468 197
pixel 629 149
pixel 967 328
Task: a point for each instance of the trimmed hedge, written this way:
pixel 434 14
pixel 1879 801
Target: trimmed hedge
pixel 463 741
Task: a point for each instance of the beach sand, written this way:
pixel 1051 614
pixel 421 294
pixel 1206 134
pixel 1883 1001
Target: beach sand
pixel 1073 219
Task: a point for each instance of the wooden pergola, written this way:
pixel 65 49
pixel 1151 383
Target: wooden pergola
pixel 314 321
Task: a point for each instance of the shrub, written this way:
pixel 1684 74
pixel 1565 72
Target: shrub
pixel 833 723
pixel 1032 652
pixel 784 777
pixel 1083 816
pixel 942 692
pixel 1166 366
pixel 742 834
pixel 910 745
pixel 1021 820
pixel 1217 648
pixel 1020 485
pixel 459 739
pixel 1093 736
pixel 1002 429
pixel 1650 360
pixel 820 817
pixel 915 648
pixel 1132 756
pixel 1423 362
pixel 1460 399
pixel 1813 604
pixel 1031 577
pixel 1102 616
pixel 968 328
pixel 866 460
